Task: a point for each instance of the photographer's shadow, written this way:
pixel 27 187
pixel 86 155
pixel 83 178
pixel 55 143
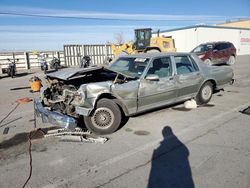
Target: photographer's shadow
pixel 170 165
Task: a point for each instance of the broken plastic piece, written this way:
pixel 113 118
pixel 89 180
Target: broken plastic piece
pixel 78 135
pixel 246 111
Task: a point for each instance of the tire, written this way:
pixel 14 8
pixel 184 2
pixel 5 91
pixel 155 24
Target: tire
pixel 12 72
pixel 56 66
pixel 153 51
pixel 106 118
pixel 205 93
pixel 208 62
pixel 231 60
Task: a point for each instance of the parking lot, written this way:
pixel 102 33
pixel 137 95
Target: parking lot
pixel 170 147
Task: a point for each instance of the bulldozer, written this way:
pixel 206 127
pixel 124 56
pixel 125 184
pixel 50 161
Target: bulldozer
pixel 145 43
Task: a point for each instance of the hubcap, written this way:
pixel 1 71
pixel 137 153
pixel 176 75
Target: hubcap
pixel 208 62
pixel 103 118
pixel 206 92
pixel 231 60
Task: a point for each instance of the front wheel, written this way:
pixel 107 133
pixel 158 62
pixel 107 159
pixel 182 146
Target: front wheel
pixel 205 93
pixel 106 118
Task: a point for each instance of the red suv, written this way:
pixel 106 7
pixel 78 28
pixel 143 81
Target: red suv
pixel 216 52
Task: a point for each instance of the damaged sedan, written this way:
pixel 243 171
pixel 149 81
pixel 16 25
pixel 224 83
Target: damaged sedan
pixel 132 84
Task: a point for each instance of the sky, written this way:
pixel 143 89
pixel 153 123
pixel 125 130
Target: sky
pixel 30 25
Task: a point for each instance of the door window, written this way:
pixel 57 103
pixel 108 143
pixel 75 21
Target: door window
pixel 161 67
pixel 184 65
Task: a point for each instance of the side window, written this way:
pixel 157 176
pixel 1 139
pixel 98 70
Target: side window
pixel 217 47
pixel 196 68
pixel 228 45
pixel 161 67
pixel 166 44
pixel 183 65
pixel 224 46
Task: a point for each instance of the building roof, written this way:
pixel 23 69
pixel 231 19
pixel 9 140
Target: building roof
pixel 202 26
pixel 239 23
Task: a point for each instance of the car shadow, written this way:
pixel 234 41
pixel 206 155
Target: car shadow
pixel 170 164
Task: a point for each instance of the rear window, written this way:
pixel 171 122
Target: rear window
pixel 184 65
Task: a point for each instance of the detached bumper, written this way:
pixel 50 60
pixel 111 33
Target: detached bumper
pixel 53 118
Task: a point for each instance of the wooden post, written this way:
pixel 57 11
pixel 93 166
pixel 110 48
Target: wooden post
pixel 27 60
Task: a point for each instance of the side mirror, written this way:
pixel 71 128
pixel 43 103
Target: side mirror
pixel 152 77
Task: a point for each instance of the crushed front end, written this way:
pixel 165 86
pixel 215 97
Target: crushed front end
pixel 70 94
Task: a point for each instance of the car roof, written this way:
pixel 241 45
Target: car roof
pixel 155 54
pixel 213 43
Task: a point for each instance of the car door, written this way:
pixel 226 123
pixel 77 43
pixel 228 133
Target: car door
pixel 158 87
pixel 188 76
pixel 219 53
pixel 224 51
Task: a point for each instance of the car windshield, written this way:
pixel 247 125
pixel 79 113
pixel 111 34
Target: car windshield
pixel 202 48
pixel 129 66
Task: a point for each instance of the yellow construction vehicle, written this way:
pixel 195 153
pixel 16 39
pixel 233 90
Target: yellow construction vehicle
pixel 144 42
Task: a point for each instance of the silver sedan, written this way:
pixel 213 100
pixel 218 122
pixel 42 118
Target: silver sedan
pixel 102 96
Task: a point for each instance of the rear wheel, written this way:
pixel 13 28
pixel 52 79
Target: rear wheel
pixel 106 118
pixel 205 93
pixel 231 60
pixel 12 72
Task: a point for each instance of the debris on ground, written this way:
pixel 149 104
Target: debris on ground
pixel 24 100
pixel 35 84
pixel 246 111
pixel 190 104
pixel 6 130
pixel 77 135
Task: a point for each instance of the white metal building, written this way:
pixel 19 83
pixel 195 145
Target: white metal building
pixel 187 38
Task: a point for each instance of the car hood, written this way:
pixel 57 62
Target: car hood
pixel 71 73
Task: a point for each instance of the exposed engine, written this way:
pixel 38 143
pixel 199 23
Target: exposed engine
pixel 63 95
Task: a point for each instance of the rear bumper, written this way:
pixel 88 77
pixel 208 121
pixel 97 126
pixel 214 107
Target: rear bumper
pixel 53 118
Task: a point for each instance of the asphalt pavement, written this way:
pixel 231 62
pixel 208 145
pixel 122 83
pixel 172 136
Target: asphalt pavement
pixel 171 147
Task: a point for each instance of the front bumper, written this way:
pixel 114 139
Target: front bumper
pixel 53 118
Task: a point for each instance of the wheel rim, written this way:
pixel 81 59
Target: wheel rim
pixel 206 92
pixel 231 60
pixel 208 62
pixel 103 118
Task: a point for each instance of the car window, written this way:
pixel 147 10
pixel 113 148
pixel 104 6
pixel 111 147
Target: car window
pixel 202 48
pixel 196 68
pixel 221 46
pixel 161 67
pixel 224 46
pixel 184 65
